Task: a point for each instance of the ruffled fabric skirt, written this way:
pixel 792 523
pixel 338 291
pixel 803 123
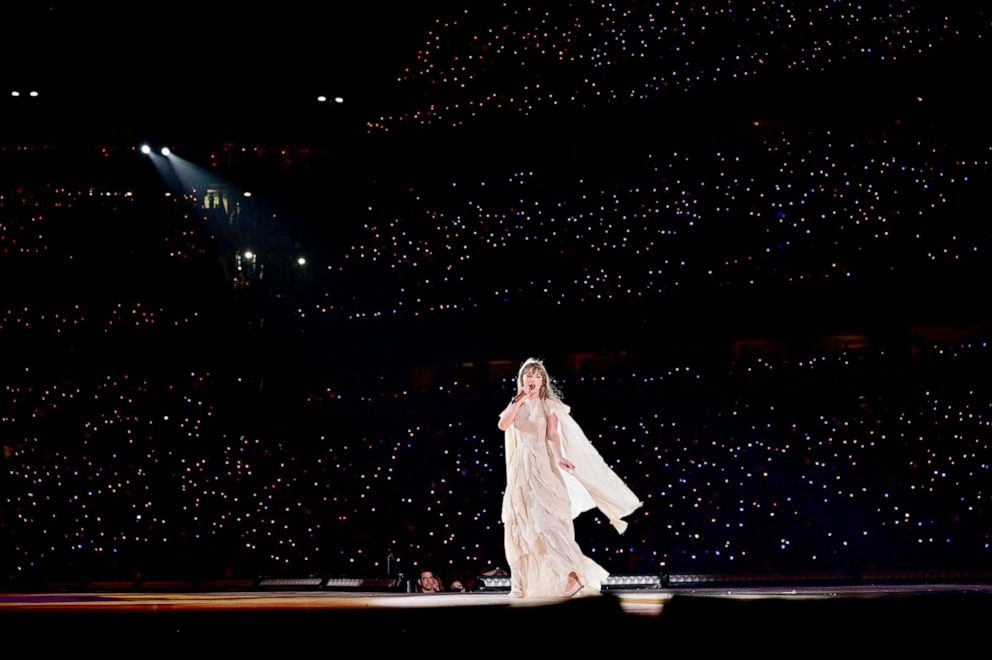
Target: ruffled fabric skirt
pixel 539 537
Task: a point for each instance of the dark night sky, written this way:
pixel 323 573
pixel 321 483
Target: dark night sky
pixel 168 64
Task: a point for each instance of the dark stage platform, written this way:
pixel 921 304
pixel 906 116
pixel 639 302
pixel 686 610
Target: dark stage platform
pixel 947 618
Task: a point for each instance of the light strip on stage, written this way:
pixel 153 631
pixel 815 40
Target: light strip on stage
pixel 300 583
pixel 365 584
pixel 687 579
pixel 502 583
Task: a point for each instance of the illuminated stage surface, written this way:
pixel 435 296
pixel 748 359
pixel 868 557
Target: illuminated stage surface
pixel 905 616
pixel 645 602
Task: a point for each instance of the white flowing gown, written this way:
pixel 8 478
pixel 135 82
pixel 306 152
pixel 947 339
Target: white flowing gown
pixel 541 499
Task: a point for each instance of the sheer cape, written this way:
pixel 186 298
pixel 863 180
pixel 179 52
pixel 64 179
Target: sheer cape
pixel 592 483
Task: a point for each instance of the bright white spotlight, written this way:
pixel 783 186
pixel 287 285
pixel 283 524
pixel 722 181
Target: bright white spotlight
pixel 165 151
pixel 247 193
pixel 321 98
pixel 15 93
pixel 249 255
pixel 338 99
pixel 32 93
pixel 145 149
pixel 301 261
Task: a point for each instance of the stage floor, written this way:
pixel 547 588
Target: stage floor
pixel 641 602
pixel 944 618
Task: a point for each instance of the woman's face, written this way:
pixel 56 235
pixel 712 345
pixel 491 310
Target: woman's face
pixel 533 381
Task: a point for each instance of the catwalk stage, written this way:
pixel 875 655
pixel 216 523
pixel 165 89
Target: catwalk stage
pixel 910 617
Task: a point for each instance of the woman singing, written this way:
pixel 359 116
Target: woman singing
pixel 553 473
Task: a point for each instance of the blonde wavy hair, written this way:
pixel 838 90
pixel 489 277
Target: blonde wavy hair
pixel 548 389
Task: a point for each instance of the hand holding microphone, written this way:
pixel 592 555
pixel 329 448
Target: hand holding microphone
pixel 522 393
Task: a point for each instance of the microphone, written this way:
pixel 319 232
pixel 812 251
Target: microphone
pixel 521 395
